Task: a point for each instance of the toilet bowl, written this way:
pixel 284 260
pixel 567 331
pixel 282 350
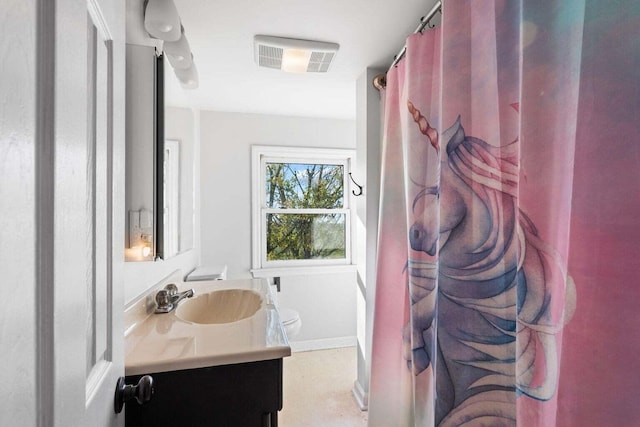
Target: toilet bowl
pixel 290 321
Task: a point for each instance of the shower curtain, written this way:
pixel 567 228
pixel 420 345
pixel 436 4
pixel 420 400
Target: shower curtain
pixel 509 255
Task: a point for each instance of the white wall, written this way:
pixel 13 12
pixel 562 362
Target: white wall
pixel 182 124
pixel 368 152
pixel 326 302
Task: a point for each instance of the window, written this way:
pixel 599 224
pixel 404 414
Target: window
pixel 302 213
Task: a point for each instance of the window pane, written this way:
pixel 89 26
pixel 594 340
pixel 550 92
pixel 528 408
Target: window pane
pixel 304 236
pixel 304 185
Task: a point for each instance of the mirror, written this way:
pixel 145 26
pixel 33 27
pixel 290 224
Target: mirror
pixel 159 163
pixel 140 242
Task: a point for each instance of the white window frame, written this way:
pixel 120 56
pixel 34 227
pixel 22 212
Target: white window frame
pixel 260 156
pixel 171 208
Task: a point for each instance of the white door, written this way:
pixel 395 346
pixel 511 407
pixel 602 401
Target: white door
pixel 104 332
pixel 61 230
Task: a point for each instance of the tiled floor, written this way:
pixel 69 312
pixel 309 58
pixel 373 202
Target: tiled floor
pixel 317 390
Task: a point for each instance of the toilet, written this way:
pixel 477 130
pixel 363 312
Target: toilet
pixel 216 272
pixel 290 321
pixel 289 317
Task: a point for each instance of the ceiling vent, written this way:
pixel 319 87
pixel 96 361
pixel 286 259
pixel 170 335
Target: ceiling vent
pixel 294 55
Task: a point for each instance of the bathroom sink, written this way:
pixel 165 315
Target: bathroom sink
pixel 226 322
pixel 224 306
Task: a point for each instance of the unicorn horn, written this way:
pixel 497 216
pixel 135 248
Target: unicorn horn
pixel 424 126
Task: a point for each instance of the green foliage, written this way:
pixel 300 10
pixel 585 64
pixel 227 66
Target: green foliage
pixel 295 236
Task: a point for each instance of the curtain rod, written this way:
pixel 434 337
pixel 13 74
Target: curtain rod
pixel 424 21
pixel 380 81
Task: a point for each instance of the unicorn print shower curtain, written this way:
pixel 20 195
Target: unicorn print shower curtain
pixel 497 278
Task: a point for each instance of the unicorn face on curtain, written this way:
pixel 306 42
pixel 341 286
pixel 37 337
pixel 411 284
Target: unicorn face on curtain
pixel 489 286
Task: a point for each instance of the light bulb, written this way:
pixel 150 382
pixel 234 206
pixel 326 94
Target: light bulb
pixel 161 20
pixel 295 60
pixel 179 52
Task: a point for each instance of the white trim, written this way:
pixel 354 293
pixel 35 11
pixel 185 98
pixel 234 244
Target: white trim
pixel 256 177
pixel 98 19
pixel 304 152
pixel 362 397
pixel 303 263
pixel 322 344
pixel 318 159
pixel 303 270
pixel 306 211
pixel 171 199
pixel 96 378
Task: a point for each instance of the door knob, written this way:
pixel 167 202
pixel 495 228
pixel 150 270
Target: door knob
pixel 141 392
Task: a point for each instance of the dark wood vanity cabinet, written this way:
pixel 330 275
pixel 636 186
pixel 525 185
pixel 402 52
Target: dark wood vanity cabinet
pixel 242 395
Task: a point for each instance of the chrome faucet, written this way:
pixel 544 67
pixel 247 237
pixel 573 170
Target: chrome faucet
pixel 167 299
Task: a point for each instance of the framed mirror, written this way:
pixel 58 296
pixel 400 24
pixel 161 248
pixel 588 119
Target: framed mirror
pixel 159 165
pixel 141 155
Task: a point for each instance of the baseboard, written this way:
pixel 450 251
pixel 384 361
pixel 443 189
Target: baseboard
pixel 362 397
pixel 322 344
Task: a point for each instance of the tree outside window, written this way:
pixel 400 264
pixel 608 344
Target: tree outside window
pixel 304 208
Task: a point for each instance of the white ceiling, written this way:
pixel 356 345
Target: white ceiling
pixel 369 32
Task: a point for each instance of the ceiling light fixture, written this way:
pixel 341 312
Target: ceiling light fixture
pixel 294 55
pixel 161 20
pixel 179 52
pixel 188 77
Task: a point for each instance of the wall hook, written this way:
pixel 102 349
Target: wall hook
pixel 357 185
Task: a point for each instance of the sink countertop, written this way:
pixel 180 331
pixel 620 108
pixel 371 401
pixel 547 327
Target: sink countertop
pixel 164 342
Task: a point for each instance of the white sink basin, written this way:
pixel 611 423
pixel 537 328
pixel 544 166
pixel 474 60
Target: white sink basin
pixel 224 306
